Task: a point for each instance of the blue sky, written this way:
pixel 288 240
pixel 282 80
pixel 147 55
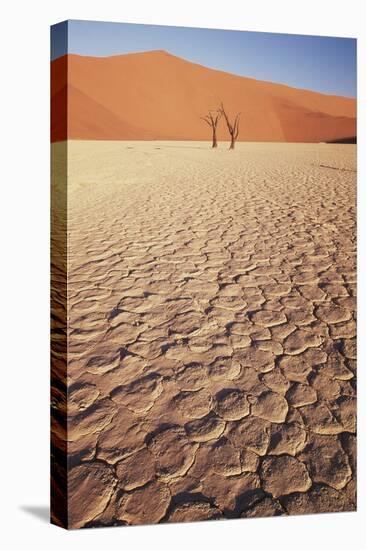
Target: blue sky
pixel 318 63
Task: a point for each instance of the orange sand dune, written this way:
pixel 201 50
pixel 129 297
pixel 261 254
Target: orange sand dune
pixel 155 95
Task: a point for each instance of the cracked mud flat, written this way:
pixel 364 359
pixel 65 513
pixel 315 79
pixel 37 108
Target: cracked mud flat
pixel 211 331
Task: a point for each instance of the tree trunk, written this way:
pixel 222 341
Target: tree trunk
pixel 214 139
pixel 232 144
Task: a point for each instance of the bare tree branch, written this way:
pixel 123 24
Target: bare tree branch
pixel 233 128
pixel 213 122
pixel 206 120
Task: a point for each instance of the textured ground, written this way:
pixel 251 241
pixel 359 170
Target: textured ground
pixel 211 331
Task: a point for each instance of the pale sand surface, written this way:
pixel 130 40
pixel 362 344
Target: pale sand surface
pixel 211 330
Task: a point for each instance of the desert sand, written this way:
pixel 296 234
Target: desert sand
pixel 156 95
pixel 211 330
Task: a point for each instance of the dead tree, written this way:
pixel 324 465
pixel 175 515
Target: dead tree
pixel 213 120
pixel 233 128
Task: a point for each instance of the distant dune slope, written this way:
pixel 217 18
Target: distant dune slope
pixel 155 95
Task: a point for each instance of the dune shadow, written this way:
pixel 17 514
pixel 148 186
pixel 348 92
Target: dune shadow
pixel 351 139
pixel 40 512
